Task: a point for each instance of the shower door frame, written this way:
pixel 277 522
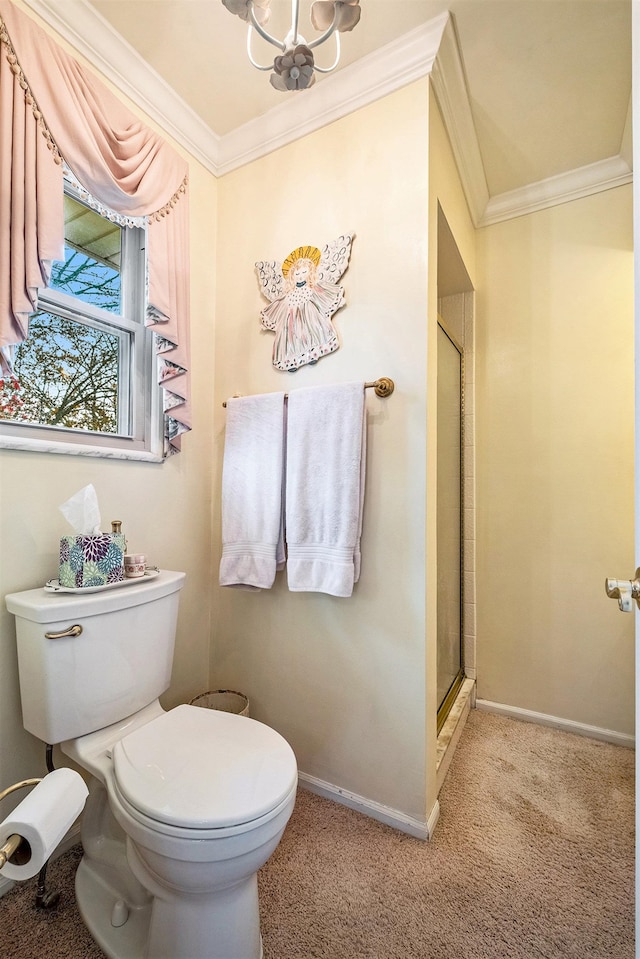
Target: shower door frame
pixel 449 699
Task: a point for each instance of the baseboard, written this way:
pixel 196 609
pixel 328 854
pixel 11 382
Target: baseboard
pixel 71 839
pixel 566 725
pixel 385 814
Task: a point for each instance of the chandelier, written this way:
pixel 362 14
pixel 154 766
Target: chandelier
pixel 295 68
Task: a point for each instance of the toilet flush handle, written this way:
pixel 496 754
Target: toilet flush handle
pixel 69 631
pixel 625 591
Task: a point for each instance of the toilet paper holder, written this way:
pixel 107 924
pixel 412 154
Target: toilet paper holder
pixel 44 898
pixel 16 846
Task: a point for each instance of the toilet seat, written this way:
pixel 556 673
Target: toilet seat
pixel 203 770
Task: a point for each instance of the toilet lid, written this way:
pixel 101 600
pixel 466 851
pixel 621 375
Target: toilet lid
pixel 203 768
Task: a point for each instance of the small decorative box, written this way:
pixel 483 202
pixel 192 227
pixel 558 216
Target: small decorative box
pixel 92 560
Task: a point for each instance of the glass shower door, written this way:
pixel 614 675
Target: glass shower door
pixel 449 522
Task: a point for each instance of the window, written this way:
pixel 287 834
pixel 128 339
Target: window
pixel 85 377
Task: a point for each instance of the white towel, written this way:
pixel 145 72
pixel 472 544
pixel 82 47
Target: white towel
pixel 325 475
pixel 252 488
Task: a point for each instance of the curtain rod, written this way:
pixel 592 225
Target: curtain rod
pixel 383 387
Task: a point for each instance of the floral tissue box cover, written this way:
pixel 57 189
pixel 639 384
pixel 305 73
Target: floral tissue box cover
pixel 91 560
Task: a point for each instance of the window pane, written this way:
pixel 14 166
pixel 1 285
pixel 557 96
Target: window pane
pixel 67 374
pixel 91 266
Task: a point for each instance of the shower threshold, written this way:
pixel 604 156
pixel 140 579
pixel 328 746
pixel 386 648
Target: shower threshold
pixel 454 724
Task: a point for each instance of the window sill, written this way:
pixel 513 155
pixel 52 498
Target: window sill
pixel 78 449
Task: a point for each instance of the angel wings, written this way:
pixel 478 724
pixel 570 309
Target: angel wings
pixel 303 294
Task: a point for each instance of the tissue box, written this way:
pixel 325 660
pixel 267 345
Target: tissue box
pixel 91 560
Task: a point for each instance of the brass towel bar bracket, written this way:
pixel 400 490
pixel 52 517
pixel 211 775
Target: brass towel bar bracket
pixel 383 387
pixel 11 846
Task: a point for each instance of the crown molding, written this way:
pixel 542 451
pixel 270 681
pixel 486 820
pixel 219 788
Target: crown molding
pixel 450 89
pixel 626 145
pixel 372 77
pixel 431 49
pixel 584 181
pixel 93 37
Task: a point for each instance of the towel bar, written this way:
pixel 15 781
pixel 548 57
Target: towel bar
pixel 383 387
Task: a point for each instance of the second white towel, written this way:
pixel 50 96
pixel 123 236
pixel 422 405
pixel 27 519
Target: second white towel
pixel 326 455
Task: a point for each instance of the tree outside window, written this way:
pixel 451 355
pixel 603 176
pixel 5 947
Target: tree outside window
pixel 87 364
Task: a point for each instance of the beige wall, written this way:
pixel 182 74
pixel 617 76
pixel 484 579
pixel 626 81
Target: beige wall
pixel 445 191
pixel 555 460
pixel 165 510
pixel 342 679
pixel 351 683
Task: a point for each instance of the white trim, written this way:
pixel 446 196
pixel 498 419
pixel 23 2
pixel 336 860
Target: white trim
pixel 432 820
pixel 626 144
pixel 431 49
pixel 566 725
pixel 375 810
pixel 79 449
pixel 372 77
pixel 584 181
pixel 450 89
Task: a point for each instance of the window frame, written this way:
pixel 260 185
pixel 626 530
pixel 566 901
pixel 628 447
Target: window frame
pixel 140 407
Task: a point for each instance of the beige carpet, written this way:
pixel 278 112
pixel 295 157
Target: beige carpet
pixel 532 857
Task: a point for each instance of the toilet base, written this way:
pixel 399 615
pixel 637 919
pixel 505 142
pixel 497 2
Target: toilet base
pixel 104 878
pixel 134 919
pixel 96 900
pixel 220 924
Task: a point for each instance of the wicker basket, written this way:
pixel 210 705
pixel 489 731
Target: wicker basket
pixel 226 700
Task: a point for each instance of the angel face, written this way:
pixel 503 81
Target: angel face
pixel 302 272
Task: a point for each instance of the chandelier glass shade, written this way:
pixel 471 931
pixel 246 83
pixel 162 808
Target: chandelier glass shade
pixel 295 67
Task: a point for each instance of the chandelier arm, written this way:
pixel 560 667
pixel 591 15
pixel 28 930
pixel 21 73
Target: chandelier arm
pixel 263 33
pixel 335 62
pixel 292 38
pixel 253 63
pixel 326 34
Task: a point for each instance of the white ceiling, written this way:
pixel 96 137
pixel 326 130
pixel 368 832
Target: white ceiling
pixel 548 81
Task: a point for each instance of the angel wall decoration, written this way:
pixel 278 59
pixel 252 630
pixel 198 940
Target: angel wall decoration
pixel 304 294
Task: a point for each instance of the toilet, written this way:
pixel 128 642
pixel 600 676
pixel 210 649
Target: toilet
pixel 184 805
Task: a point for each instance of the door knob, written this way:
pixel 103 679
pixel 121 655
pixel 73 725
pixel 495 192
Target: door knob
pixel 625 591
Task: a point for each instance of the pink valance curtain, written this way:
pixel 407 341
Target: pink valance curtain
pixel 53 111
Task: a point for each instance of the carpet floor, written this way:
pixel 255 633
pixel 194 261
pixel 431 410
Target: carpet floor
pixel 532 858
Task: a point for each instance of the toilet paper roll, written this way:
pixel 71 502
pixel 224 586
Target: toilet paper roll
pixel 43 818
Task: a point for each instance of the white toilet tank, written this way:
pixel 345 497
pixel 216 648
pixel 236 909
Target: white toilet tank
pixel 120 661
